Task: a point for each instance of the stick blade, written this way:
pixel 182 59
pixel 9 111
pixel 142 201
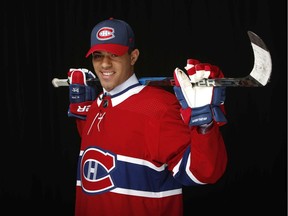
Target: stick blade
pixel 262 68
pixel 59 82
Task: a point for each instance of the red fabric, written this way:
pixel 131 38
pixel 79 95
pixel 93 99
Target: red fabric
pixel 141 128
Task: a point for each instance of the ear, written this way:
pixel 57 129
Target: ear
pixel 134 56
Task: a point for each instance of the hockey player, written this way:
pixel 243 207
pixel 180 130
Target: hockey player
pixel 141 144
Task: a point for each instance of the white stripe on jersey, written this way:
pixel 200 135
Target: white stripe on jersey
pixel 141 162
pixel 147 193
pixel 189 173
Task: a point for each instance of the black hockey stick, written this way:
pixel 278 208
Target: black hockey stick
pixel 259 76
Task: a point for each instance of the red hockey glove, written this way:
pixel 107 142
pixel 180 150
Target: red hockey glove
pixel 200 105
pixel 81 95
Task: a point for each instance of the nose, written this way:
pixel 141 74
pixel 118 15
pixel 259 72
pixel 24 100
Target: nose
pixel 106 61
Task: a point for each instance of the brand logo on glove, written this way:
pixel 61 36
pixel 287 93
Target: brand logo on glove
pixel 199 119
pixel 83 109
pixel 75 90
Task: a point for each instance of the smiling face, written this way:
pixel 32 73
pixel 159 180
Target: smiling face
pixel 113 70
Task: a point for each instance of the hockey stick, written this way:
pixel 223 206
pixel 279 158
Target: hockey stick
pixel 259 76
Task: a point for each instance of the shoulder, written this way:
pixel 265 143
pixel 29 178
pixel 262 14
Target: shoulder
pixel 160 94
pixel 156 99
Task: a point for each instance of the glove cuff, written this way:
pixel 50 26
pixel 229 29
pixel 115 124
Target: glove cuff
pixel 219 115
pixel 80 109
pixel 76 116
pixel 200 116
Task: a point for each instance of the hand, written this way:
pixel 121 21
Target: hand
pixel 81 95
pixel 200 105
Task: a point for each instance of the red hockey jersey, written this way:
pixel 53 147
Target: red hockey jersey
pixel 136 154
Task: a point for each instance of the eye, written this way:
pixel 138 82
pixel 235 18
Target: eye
pixel 113 56
pixel 96 55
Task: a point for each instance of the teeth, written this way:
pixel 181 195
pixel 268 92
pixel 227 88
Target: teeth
pixel 107 73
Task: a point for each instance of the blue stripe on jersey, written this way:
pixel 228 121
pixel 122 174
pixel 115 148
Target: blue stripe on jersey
pixel 102 171
pixel 142 175
pixel 182 172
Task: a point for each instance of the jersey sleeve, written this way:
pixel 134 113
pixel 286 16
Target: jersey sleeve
pixel 206 158
pixel 192 157
pixel 80 125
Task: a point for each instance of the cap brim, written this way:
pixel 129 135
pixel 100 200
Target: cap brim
pixel 111 48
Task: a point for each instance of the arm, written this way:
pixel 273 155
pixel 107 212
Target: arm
pixel 81 95
pixel 202 109
pixel 208 155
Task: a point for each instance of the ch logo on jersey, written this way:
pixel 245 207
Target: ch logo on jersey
pixel 96 166
pixel 105 33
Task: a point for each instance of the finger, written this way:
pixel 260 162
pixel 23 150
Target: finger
pixel 185 84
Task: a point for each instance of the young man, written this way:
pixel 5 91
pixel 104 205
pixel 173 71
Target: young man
pixel 141 144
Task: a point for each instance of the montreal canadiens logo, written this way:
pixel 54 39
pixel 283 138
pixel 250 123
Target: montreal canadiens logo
pixel 96 166
pixel 105 33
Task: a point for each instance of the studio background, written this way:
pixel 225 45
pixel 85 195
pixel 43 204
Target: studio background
pixel 41 40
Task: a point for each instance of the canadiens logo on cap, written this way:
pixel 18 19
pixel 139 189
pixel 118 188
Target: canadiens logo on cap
pixel 112 35
pixel 105 33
